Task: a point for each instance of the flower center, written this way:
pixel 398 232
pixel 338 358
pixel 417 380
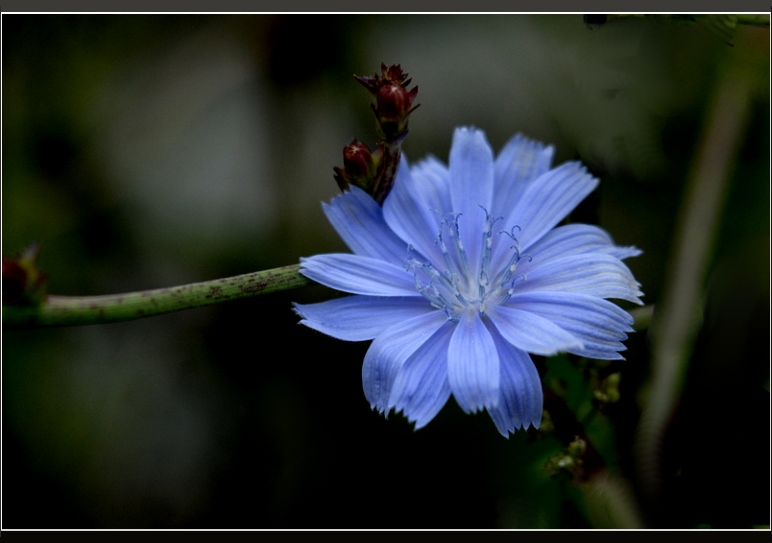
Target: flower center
pixel 459 284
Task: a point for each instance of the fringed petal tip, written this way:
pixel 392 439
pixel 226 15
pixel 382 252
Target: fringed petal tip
pixel 511 430
pixel 417 422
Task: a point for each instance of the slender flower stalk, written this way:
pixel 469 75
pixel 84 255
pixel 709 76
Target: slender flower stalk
pixel 80 310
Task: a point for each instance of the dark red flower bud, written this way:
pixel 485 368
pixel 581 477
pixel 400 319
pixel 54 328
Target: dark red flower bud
pixel 357 160
pixel 23 282
pixel 394 75
pixel 14 281
pixel 360 167
pixel 393 102
pixel 390 75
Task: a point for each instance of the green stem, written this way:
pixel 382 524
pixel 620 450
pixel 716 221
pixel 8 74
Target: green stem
pixel 80 310
pixel 610 503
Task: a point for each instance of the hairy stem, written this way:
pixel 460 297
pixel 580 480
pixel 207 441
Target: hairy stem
pixel 81 310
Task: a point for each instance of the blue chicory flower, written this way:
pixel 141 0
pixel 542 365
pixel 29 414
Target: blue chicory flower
pixel 463 272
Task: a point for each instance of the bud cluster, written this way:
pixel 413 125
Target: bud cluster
pixel 374 171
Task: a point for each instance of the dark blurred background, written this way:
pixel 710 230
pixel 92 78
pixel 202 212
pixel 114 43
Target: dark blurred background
pixel 145 151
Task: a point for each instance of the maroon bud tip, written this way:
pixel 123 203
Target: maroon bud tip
pixel 359 167
pixel 13 272
pixel 357 159
pixel 394 75
pixel 393 102
pixel 23 282
pixel 390 75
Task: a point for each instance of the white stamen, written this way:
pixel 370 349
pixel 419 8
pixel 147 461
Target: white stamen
pixel 455 289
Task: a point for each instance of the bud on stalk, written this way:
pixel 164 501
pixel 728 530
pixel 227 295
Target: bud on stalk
pixel 374 171
pixel 393 102
pixel 23 282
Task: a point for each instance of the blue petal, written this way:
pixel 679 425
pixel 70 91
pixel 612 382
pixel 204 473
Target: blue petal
pixel 434 173
pixel 530 332
pixel 359 318
pixel 471 187
pixel 575 239
pixel 520 161
pixel 358 219
pixel 546 201
pixel 598 323
pixel 522 400
pixel 421 387
pixel 411 210
pixel 595 274
pixel 389 352
pixel 473 364
pixel 622 252
pixel 359 275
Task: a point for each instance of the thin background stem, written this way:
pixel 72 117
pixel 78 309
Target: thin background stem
pixel 677 316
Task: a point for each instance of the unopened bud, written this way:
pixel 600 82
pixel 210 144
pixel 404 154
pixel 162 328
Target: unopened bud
pixel 390 75
pixel 14 281
pixel 360 167
pixel 393 102
pixel 23 282
pixel 357 160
